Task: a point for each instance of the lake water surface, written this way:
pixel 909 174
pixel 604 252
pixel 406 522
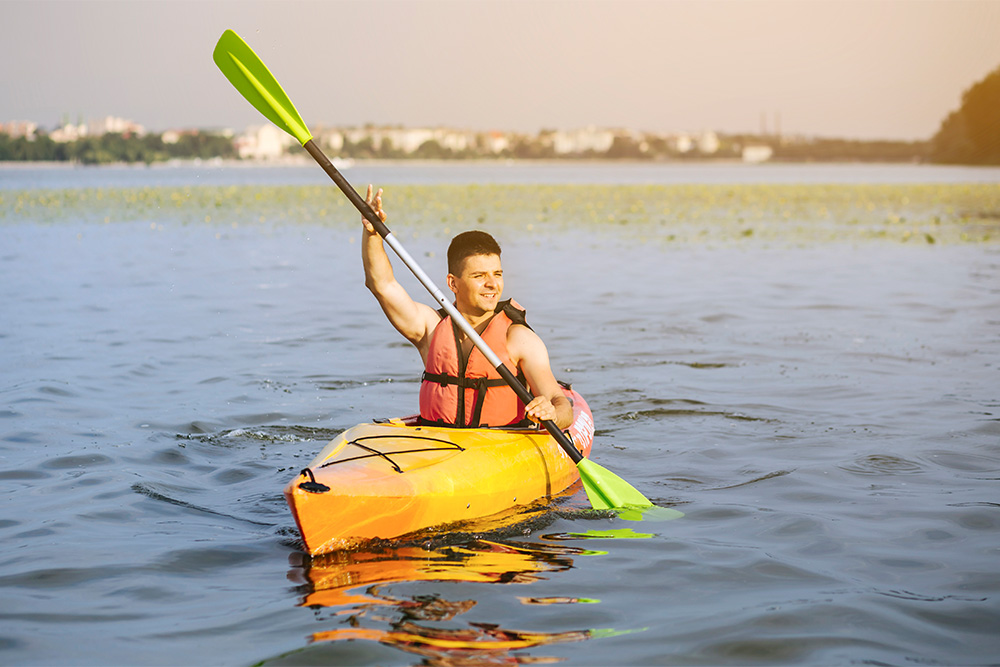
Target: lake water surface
pixel 826 415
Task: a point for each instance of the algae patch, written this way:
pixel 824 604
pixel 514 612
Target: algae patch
pixel 924 214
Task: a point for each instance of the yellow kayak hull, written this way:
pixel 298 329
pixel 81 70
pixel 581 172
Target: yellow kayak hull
pixel 385 480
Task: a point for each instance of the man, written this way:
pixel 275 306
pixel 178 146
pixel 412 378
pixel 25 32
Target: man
pixel 459 387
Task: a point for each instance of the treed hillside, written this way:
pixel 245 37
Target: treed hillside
pixel 971 134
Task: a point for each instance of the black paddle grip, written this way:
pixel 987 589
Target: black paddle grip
pixel 345 187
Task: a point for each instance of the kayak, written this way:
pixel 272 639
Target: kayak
pixel 383 480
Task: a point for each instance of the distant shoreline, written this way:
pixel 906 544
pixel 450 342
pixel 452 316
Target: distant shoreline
pixel 300 161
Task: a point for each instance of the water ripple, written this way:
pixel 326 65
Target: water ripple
pixel 883 464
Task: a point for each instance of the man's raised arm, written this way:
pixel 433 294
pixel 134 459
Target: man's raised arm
pixel 415 321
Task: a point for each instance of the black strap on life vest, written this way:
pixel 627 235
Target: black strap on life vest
pixel 480 385
pixel 516 315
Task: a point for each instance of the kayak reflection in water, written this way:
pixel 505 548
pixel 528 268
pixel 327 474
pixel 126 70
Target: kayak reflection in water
pixel 460 387
pixel 480 641
pixel 334 580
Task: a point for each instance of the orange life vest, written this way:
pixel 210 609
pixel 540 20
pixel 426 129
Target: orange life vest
pixel 469 392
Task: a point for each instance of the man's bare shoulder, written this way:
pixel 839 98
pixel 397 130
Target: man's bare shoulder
pixel 523 343
pixel 521 332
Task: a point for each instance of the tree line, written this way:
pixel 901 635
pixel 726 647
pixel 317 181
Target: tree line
pixel 654 148
pixel 113 147
pixel 971 134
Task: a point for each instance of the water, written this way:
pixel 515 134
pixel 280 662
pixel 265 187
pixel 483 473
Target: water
pixel 826 415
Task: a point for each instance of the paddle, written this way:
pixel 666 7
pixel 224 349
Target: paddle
pixel 254 81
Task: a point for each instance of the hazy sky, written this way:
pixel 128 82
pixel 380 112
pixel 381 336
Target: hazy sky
pixel 863 69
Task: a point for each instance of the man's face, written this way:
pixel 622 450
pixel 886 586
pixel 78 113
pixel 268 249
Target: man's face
pixel 479 286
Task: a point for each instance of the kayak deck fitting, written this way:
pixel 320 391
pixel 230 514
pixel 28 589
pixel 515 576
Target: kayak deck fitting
pixel 385 480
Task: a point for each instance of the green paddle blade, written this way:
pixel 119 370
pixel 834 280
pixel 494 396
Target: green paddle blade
pixel 606 490
pixel 612 534
pixel 601 633
pixel 256 83
pixel 649 514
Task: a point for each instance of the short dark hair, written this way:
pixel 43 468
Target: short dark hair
pixel 467 244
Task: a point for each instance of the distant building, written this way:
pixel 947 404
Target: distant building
pixel 682 143
pixel 115 125
pixel 262 142
pixel 497 142
pixel 455 140
pixel 174 136
pixel 708 143
pixel 756 153
pixel 586 140
pixel 19 128
pixel 407 140
pixel 332 140
pixel 68 132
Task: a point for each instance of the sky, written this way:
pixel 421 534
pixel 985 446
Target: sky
pixel 864 69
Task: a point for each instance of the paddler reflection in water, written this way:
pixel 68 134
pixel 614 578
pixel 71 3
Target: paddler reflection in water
pixel 459 385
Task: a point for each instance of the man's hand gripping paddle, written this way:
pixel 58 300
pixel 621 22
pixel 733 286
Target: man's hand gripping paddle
pixel 254 81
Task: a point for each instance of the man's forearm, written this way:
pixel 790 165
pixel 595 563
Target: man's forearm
pixel 378 269
pixel 564 411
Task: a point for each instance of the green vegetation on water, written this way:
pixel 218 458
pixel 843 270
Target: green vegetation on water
pixel 946 213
